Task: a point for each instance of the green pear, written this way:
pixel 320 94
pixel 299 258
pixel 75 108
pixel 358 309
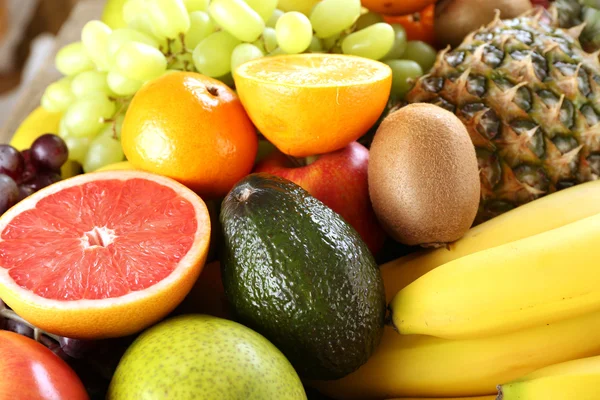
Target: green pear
pixel 203 357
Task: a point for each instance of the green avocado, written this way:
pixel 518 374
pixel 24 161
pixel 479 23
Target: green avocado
pixel 299 274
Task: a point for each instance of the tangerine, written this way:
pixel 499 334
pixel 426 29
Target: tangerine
pixel 193 129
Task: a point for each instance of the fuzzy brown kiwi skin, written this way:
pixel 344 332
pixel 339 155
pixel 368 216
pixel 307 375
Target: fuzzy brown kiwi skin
pixel 423 176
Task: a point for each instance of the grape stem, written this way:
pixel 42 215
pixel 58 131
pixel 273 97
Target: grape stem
pixel 123 104
pixel 37 332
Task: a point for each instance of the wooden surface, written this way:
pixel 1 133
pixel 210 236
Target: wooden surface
pixel 84 11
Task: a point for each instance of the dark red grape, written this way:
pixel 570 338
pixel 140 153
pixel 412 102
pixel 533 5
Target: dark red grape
pixel 30 170
pixel 9 193
pixel 11 161
pixel 49 152
pixel 41 180
pixel 76 348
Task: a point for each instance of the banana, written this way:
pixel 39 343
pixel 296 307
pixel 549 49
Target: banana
pixel 533 281
pixel 417 365
pixel 548 212
pixel 577 380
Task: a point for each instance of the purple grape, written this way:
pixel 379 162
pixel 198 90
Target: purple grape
pixel 76 348
pixel 11 161
pixel 9 193
pixel 55 348
pixel 2 319
pixel 40 181
pixel 24 191
pixel 15 326
pixel 49 152
pixel 30 169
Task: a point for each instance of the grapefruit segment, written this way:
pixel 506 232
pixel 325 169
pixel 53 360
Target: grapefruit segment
pixel 103 254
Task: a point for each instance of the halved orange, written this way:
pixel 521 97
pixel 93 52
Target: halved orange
pixel 104 254
pixel 309 104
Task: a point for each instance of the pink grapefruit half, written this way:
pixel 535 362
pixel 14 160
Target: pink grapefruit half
pixel 104 254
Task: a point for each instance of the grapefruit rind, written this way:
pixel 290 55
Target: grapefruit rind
pixel 110 317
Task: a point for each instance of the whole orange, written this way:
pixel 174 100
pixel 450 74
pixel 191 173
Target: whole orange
pixel 193 129
pixel 396 7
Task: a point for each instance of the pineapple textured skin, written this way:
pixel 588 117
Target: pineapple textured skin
pixel 529 96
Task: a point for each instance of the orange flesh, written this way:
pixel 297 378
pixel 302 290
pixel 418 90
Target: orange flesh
pixel 98 240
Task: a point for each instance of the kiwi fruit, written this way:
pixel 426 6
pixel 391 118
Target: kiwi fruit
pixel 423 176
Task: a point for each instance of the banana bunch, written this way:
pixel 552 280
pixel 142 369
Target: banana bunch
pixel 515 294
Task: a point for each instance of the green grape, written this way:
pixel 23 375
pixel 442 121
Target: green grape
pixel 58 96
pixel 103 150
pixel 122 85
pixel 63 132
pixel 404 72
pixel 329 17
pixel 316 45
pixel 264 8
pixel 227 79
pixel 293 32
pixel 277 52
pixel 169 17
pixel 269 37
pixel 368 19
pixel 331 41
pixel 132 9
pixel 399 46
pixel 90 82
pixel 136 17
pixel 85 117
pixel 244 52
pixel 94 37
pixel 304 6
pixel 140 61
pixel 196 5
pixel 78 147
pixel 126 35
pixel 237 18
pixel 73 59
pixel 212 56
pixel 272 21
pixel 183 62
pixel 201 25
pixel 420 52
pixel 260 44
pixel 373 42
pixel 118 123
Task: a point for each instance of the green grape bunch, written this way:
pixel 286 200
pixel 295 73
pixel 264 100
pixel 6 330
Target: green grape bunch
pixel 104 70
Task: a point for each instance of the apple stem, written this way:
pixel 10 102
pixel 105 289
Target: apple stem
pixel 37 332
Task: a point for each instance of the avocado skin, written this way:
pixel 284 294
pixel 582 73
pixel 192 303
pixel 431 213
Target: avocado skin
pixel 296 272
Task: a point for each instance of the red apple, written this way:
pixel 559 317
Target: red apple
pixel 339 180
pixel 29 370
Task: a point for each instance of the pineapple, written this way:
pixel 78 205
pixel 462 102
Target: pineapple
pixel 530 99
pixel 575 12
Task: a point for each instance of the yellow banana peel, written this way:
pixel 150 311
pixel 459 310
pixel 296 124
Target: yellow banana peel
pixel 576 379
pixel 538 280
pixel 544 214
pixel 431 367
